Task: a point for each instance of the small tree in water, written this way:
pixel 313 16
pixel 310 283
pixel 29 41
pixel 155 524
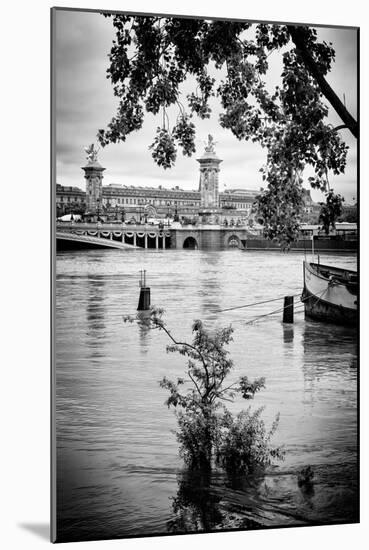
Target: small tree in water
pixel 208 433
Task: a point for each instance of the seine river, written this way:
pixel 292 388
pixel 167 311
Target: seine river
pixel 119 473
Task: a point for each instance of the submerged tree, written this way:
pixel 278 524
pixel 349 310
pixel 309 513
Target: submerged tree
pixel 208 433
pixel 199 506
pixel 151 57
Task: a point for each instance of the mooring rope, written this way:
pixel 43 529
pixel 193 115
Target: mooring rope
pixel 265 315
pixel 285 307
pixel 254 303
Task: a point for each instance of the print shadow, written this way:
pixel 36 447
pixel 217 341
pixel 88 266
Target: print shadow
pixel 42 530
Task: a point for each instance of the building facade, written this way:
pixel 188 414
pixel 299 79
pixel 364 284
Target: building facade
pixel 137 203
pixel 162 202
pixel 156 202
pixel 69 200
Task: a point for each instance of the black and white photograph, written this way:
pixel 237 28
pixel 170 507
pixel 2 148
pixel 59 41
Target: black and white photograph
pixel 205 230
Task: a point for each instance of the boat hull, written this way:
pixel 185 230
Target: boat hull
pixel 328 300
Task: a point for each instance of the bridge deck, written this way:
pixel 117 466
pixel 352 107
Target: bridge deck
pixel 104 243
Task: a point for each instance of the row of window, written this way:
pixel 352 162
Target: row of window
pixel 69 199
pixel 155 202
pixel 240 205
pixel 158 202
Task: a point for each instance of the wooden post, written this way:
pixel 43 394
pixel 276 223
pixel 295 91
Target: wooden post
pixel 288 309
pixel 144 299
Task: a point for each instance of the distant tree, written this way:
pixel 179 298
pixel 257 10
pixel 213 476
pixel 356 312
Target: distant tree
pixel 349 214
pixel 152 56
pixel 330 211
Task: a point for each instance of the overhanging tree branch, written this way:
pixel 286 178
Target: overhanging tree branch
pixel 340 127
pixel 328 92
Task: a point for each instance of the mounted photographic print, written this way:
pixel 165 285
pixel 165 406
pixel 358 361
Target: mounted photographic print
pixel 204 272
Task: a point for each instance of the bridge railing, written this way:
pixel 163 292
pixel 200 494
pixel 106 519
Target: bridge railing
pixel 93 226
pixel 107 226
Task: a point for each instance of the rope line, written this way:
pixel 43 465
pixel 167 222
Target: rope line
pixel 265 315
pixel 255 303
pixel 285 307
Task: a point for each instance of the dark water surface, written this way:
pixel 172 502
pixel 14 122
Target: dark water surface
pixel 119 473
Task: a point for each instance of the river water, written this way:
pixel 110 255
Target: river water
pixel 119 473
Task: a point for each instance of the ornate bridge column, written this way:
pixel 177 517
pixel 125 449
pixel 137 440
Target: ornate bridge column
pixel 94 175
pixel 209 176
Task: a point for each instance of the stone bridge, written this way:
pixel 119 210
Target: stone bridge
pixel 71 240
pixel 112 235
pixel 211 237
pixel 146 236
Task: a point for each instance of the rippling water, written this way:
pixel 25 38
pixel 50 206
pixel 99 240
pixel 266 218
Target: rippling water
pixel 119 473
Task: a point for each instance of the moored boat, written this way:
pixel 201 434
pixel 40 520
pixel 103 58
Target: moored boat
pixel 330 294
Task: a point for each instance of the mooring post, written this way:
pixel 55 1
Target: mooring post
pixel 144 299
pixel 288 309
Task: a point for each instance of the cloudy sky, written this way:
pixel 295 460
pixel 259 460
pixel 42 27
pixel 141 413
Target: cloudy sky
pixel 85 103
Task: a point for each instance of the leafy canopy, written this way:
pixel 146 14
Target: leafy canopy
pixel 150 59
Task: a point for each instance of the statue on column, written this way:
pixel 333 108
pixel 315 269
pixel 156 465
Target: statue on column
pixel 94 176
pixel 91 151
pixel 210 144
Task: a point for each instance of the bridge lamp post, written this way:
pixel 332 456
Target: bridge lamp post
pixel 146 212
pixel 98 208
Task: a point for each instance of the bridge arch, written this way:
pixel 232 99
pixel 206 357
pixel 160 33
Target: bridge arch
pixel 190 243
pixel 234 242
